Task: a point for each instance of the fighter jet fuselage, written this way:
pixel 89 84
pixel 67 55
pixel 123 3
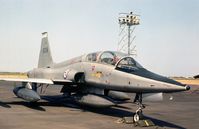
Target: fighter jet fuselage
pixel 108 70
pixel 95 79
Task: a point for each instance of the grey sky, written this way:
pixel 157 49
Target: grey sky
pixel 167 39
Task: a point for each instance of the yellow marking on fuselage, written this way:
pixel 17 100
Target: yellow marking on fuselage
pixel 97 74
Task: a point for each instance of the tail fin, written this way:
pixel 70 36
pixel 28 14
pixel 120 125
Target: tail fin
pixel 45 58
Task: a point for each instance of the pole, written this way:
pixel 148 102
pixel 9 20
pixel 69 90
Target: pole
pixel 127 20
pixel 129 40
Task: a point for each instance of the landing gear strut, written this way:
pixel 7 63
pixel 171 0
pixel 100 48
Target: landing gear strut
pixel 138 114
pixel 138 118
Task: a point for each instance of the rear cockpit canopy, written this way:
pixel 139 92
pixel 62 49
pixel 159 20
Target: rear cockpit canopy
pixel 92 57
pixel 118 59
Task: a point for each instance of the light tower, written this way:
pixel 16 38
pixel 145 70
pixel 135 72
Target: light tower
pixel 126 21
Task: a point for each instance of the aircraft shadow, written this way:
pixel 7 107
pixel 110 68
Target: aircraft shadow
pixel 5 105
pixel 164 124
pixel 117 111
pixel 123 113
pixel 35 106
pixel 57 101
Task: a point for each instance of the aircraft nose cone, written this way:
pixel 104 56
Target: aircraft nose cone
pixel 187 87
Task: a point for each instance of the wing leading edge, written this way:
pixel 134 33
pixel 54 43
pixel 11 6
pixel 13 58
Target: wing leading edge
pixel 37 80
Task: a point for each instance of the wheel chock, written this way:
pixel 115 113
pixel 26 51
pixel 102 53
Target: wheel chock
pixel 144 123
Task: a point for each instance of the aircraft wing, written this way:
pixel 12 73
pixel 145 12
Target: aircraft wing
pixel 37 80
pixel 62 82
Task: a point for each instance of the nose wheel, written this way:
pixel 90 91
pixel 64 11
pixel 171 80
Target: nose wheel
pixel 138 114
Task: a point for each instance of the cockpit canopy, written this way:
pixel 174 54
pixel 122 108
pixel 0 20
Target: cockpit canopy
pixel 118 59
pixel 128 63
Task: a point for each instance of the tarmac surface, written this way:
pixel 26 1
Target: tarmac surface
pixel 56 113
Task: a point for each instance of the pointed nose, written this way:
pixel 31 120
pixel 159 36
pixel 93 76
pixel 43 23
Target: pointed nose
pixel 187 87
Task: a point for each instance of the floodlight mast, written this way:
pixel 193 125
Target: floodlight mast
pixel 128 20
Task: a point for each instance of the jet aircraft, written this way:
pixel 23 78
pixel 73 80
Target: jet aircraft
pixel 96 79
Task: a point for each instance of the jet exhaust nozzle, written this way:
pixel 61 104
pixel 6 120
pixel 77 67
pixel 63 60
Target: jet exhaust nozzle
pixel 26 94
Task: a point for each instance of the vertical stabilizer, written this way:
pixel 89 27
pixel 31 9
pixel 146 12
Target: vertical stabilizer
pixel 45 57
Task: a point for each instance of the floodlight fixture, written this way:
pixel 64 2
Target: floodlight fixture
pixel 128 20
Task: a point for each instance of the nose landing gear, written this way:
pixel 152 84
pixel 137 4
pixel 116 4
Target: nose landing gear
pixel 138 117
pixel 138 114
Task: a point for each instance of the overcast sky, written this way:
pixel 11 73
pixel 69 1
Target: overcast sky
pixel 167 39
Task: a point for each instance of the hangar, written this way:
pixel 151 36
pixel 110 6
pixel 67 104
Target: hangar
pixel 196 77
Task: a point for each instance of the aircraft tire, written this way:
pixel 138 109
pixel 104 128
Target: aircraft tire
pixel 136 117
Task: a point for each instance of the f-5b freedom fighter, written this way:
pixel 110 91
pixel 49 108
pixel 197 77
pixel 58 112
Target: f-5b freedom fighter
pixel 95 79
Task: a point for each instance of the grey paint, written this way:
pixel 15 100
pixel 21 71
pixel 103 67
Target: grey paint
pixel 94 100
pixel 45 57
pixel 118 95
pixel 110 78
pixel 97 73
pixel 26 94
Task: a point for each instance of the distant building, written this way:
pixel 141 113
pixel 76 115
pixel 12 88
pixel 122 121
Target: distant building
pixel 196 77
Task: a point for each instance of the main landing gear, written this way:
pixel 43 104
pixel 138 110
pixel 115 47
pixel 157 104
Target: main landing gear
pixel 138 114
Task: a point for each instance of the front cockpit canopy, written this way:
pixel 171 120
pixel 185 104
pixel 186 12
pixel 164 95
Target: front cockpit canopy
pixel 128 63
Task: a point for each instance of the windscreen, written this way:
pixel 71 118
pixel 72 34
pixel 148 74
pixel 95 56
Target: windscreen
pixel 128 63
